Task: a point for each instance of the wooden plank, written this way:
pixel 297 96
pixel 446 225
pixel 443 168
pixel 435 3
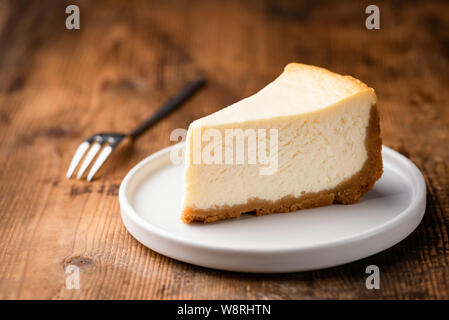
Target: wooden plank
pixel 58 86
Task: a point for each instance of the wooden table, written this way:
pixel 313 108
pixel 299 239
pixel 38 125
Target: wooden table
pixel 57 86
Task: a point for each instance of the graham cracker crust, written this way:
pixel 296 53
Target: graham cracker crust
pixel 347 192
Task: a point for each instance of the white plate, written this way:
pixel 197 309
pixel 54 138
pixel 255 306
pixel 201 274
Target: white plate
pixel 150 200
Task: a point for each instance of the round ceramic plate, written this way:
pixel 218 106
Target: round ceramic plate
pixel 151 198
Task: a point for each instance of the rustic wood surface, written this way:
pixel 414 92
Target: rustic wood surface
pixel 57 86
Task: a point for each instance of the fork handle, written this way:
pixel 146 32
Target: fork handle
pixel 171 105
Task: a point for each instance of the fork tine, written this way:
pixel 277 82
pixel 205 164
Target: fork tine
pixel 104 154
pixel 89 157
pixel 82 148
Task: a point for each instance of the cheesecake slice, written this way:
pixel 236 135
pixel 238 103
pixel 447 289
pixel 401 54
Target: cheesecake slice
pixel 310 138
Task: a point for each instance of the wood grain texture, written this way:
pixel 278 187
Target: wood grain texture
pixel 58 86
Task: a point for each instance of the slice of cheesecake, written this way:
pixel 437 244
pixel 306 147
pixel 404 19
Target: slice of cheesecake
pixel 310 138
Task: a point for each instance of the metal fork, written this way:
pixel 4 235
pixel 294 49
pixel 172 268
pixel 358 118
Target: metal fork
pixel 108 141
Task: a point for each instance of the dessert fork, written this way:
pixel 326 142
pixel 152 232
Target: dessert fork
pixel 108 141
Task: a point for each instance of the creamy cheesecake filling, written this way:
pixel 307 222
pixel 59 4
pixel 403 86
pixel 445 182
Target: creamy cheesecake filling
pixel 317 151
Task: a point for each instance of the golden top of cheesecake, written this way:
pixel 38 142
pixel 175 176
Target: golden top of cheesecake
pixel 299 89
